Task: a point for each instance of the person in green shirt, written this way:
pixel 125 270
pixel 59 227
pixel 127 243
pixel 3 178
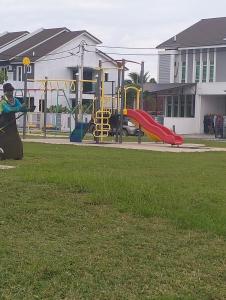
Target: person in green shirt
pixel 10 143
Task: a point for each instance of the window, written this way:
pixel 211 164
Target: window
pixel 88 86
pixel 204 71
pixel 175 106
pixel 211 66
pixel 183 73
pixel 169 106
pixel 106 76
pixel 29 69
pixel 211 72
pixel 182 106
pixel 190 106
pixel 41 105
pixel 19 72
pixel 197 71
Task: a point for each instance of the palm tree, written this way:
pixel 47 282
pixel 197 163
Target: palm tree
pixel 135 78
pixel 135 81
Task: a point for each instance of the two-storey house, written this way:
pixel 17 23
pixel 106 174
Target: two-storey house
pixel 54 53
pixel 192 75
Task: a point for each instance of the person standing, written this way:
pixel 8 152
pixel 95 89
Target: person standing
pixel 11 146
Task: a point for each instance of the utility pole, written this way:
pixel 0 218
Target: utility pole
pixel 98 93
pixel 76 98
pixel 82 48
pixel 119 65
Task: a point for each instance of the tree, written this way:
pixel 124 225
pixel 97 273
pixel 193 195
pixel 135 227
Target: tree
pixel 152 80
pixel 135 78
pixel 135 81
pixel 3 76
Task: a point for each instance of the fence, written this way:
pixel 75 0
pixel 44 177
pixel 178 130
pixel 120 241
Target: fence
pixel 57 122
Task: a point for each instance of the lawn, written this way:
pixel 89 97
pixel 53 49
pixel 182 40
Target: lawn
pixel 94 223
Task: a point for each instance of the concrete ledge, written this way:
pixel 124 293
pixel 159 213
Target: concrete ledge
pixel 149 146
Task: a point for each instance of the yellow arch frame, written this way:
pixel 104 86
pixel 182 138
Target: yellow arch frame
pixel 138 90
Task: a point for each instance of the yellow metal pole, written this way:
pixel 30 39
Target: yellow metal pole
pixel 102 105
pixel 125 100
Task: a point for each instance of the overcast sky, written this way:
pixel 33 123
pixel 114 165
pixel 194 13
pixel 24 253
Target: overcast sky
pixel 131 23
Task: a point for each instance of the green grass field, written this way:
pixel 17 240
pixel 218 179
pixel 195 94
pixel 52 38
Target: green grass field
pixel 95 223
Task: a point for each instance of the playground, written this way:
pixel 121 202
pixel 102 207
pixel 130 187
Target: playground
pixel 103 112
pixel 99 223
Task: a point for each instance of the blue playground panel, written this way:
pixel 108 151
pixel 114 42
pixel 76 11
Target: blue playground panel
pixel 79 132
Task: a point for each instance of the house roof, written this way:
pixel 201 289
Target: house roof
pixel 9 37
pixel 156 88
pixel 207 32
pixel 30 42
pixel 41 43
pixel 55 42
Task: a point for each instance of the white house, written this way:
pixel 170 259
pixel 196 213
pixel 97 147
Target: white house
pixel 192 75
pixel 54 53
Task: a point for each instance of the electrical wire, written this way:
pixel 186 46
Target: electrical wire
pixel 58 58
pixel 126 54
pixel 132 48
pixel 7 56
pixel 60 52
pixel 223 49
pixel 152 54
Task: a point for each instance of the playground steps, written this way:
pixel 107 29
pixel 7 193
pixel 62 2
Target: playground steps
pixel 79 132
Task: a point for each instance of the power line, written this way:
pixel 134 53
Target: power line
pixel 157 54
pixel 126 54
pixel 223 49
pixel 132 48
pixel 7 56
pixel 60 52
pixel 58 58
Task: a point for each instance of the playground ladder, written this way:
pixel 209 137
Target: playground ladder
pixel 101 122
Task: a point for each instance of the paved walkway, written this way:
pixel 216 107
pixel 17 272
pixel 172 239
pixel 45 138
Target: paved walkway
pixel 149 146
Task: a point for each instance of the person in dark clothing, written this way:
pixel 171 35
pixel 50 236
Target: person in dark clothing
pixel 10 143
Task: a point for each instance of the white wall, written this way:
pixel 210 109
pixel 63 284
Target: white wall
pixel 213 105
pixel 211 88
pixel 182 125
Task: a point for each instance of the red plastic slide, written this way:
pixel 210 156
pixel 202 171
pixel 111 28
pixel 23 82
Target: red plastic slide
pixel 152 127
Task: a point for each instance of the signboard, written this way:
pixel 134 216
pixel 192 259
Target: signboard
pixel 26 61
